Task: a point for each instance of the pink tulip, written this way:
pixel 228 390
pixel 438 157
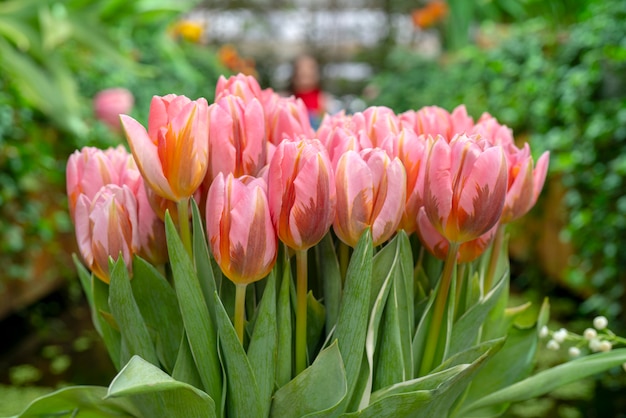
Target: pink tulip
pixel 525 182
pixel 371 191
pixel 377 127
pixel 464 187
pixel 107 226
pixel 489 129
pixel 236 137
pixel 109 104
pixel 239 228
pixel 412 151
pixel 434 120
pixel 340 141
pixel 438 245
pixel 244 86
pixel 286 117
pixel 331 123
pixel 173 154
pixel 301 192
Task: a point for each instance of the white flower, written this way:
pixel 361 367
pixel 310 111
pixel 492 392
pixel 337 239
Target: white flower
pixel 600 322
pixel 553 345
pixel 594 345
pixel 605 346
pixel 560 335
pixel 543 332
pixel 574 352
pixel 590 334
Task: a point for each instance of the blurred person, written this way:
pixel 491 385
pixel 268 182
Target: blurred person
pixel 306 85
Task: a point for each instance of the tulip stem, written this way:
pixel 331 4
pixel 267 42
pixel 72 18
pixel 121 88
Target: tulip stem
pixel 301 292
pixel 435 327
pixel 183 224
pixel 496 247
pixel 240 312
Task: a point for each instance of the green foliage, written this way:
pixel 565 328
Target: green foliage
pixel 565 90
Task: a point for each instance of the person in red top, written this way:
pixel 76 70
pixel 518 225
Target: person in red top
pixel 305 85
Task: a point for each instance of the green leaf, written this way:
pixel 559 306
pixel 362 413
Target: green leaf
pixel 159 394
pixel 242 392
pixel 284 349
pixel 108 328
pixel 316 316
pixel 199 328
pixel 135 335
pixel 202 259
pixel 263 345
pixel 85 278
pixel 317 391
pixel 466 331
pixel 328 268
pixel 354 314
pixel 391 367
pixel 185 369
pixel 81 401
pixel 157 302
pixel 550 379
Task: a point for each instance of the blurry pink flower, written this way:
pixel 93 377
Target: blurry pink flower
pixel 301 192
pixel 107 226
pixel 371 191
pixel 236 137
pixel 173 154
pixel 438 245
pixel 239 228
pixel 464 187
pixel 525 182
pixel 412 151
pixel 377 127
pixel 331 123
pixel 489 129
pixel 340 141
pixel 435 120
pixel 244 86
pixel 286 117
pixel 109 104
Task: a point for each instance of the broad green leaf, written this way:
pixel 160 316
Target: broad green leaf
pixel 199 328
pixel 466 330
pixel 284 349
pixel 263 344
pixel 550 379
pixel 85 278
pixel 328 269
pixel 471 354
pixel 109 330
pixel 158 394
pixel 202 260
pixel 79 401
pixel 399 405
pixel 317 391
pixel 157 302
pixel 316 316
pixel 354 314
pixel 390 367
pixel 135 334
pixel 185 369
pixel 242 392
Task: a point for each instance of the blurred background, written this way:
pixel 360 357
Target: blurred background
pixel 552 70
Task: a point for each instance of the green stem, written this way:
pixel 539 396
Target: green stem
pixel 493 261
pixel 301 291
pixel 441 298
pixel 344 259
pixel 240 312
pixel 460 273
pixel 183 224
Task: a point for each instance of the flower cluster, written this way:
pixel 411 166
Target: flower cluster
pixel 252 157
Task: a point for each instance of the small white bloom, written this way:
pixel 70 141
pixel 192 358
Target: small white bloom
pixel 600 322
pixel 543 332
pixel 605 346
pixel 553 345
pixel 594 345
pixel 590 334
pixel 574 352
pixel 560 335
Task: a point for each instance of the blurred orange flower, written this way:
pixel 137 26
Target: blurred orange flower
pixel 188 30
pixel 431 14
pixel 230 58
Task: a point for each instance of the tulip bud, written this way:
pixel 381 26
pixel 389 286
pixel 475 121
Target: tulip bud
pixel 412 151
pixel 244 86
pixel 109 104
pixel 239 228
pixel 107 226
pixel 286 117
pixel 371 191
pixel 464 187
pixel 173 154
pixel 301 192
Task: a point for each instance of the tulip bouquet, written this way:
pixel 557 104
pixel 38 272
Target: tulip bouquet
pixel 241 264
